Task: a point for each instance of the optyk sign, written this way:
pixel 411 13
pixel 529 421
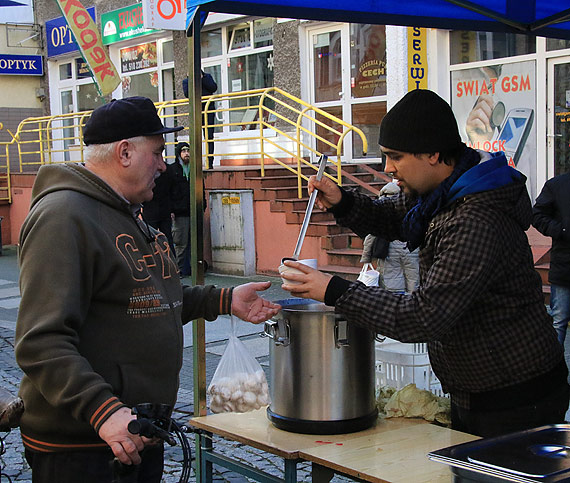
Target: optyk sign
pixel 21 64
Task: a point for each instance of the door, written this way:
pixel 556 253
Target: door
pixel 558 133
pixel 329 67
pixel 348 79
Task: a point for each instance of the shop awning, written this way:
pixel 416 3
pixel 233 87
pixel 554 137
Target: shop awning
pixel 547 18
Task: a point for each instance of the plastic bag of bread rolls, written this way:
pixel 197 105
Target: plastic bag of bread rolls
pixel 239 384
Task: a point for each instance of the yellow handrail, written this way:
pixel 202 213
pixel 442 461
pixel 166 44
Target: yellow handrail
pixel 274 126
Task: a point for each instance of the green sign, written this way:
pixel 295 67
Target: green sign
pixel 123 24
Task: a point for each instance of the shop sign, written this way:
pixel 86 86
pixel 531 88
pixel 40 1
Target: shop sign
pixel 59 38
pixel 21 65
pixel 139 57
pixel 417 58
pixel 82 69
pixel 124 24
pixel 495 108
pixel 164 14
pixel 87 37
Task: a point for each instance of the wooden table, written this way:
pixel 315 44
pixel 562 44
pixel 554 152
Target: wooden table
pixel 392 451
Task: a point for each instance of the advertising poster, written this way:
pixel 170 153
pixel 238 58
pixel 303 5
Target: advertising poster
pixel 139 57
pixel 495 107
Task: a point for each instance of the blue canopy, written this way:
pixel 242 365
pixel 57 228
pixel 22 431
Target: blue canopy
pixel 547 18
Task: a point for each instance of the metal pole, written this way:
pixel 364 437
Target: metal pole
pixel 196 219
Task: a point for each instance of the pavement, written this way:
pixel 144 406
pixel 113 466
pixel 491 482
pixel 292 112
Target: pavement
pixel 13 466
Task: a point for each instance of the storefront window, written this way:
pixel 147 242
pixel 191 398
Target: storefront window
pixel 216 72
pixel 211 43
pixel 328 139
pixel 367 117
pixel 145 85
pixel 65 71
pixel 88 98
pixel 135 59
pixel 557 44
pixel 168 51
pixel 367 60
pixel 239 37
pixel 263 32
pixel 469 46
pixel 327 60
pixel 249 72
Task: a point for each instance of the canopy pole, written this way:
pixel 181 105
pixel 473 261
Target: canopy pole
pixel 553 19
pixel 196 218
pixel 490 13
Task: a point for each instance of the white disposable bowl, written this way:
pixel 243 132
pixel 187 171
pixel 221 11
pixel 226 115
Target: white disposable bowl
pixel 284 269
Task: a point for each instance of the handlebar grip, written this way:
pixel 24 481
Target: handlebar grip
pixel 145 427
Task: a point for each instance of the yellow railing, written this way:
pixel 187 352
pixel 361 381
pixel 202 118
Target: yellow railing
pixel 5 191
pixel 274 126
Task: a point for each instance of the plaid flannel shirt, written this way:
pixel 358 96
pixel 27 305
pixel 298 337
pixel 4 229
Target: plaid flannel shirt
pixel 479 305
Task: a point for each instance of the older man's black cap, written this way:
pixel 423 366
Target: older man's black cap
pixel 420 122
pixel 124 119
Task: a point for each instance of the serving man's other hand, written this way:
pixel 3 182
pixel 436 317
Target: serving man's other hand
pixel 310 284
pixel 249 306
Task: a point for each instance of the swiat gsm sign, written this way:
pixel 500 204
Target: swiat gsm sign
pixel 87 37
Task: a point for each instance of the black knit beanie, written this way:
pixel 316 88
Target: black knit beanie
pixel 421 122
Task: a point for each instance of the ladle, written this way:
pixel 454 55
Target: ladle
pixel 309 210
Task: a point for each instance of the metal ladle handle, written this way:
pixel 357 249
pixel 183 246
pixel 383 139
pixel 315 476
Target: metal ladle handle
pixel 309 210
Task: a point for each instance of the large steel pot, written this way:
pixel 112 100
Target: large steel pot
pixel 322 370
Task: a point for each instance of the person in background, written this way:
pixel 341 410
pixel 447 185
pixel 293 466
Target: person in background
pixel 99 328
pixel 209 87
pixel 157 212
pixel 551 217
pixel 479 305
pixel 399 269
pixel 179 174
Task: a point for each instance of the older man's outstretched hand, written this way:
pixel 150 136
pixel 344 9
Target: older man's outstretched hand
pixel 249 306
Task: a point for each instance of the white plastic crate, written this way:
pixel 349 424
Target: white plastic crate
pixel 399 364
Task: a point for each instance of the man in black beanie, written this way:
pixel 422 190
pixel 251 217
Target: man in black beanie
pixel 479 305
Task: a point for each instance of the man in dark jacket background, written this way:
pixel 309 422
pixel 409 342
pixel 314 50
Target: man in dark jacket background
pixel 551 217
pixel 209 86
pixel 157 212
pixel 179 173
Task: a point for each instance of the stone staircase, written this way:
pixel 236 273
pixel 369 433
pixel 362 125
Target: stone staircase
pixel 342 248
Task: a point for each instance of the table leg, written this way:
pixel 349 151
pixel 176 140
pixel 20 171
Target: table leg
pixel 290 471
pixel 205 473
pixel 321 474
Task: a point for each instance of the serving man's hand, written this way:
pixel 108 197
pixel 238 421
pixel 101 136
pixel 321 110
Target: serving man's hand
pixel 249 306
pixel 311 284
pixel 125 446
pixel 329 193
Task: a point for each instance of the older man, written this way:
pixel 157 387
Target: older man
pixel 100 323
pixel 479 304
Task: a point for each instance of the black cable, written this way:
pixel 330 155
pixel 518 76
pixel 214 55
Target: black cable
pixel 2 451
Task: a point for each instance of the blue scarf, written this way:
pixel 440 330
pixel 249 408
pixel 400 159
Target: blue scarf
pixel 469 176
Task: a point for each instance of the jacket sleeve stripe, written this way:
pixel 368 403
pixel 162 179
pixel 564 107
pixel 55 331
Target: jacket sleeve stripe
pixel 101 419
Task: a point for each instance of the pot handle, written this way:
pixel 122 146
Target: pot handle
pixel 340 333
pixel 278 330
